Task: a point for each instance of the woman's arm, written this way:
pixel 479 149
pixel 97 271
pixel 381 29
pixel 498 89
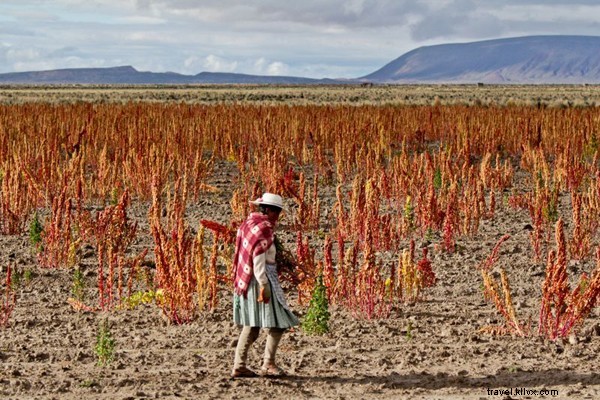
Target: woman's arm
pixel 260 273
pixel 260 269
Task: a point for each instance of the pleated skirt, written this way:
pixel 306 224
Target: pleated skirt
pixel 275 314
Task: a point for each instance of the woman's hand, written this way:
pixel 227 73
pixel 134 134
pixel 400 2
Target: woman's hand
pixel 264 295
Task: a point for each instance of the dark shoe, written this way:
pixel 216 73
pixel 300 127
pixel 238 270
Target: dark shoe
pixel 243 372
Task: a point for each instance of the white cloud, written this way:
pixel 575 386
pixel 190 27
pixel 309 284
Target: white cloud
pixel 262 66
pixel 259 65
pixel 212 63
pixel 277 68
pixel 18 55
pixel 41 64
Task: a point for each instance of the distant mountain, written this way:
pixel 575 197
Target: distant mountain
pixel 530 59
pixel 129 75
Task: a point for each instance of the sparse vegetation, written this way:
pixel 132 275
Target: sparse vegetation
pixel 316 321
pixel 35 232
pixel 105 344
pixel 553 96
pixel 78 287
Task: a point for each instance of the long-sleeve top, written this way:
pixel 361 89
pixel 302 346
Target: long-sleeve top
pixel 260 265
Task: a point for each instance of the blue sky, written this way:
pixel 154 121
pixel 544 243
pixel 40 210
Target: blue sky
pixel 334 39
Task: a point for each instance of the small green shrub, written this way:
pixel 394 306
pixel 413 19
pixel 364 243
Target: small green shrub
pixel 35 233
pixel 16 279
pixel 114 197
pixel 437 179
pixel 78 288
pixel 316 321
pixel 27 276
pixel 409 334
pixel 105 345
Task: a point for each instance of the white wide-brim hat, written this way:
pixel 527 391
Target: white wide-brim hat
pixel 269 199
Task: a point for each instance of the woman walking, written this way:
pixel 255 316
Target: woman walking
pixel 258 300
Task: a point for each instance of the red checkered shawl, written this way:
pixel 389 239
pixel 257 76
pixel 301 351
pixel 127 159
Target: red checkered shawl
pixel 254 237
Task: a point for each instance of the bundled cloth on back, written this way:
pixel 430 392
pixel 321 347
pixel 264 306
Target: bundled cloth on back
pixel 254 237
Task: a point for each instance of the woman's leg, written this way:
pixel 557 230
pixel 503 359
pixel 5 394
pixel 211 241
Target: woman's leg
pixel 247 337
pixel 273 339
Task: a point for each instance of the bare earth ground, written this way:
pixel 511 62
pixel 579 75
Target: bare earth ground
pixel 430 350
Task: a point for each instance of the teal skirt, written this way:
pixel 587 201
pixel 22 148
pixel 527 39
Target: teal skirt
pixel 275 314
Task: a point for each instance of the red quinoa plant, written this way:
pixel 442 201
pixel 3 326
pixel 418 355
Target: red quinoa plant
pixel 179 258
pixel 112 233
pixel 8 298
pixel 60 238
pixel 15 204
pixel 413 277
pixel 203 289
pixel 584 227
pixel 502 298
pixel 305 256
pixel 369 298
pixel 563 310
pixel 328 273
